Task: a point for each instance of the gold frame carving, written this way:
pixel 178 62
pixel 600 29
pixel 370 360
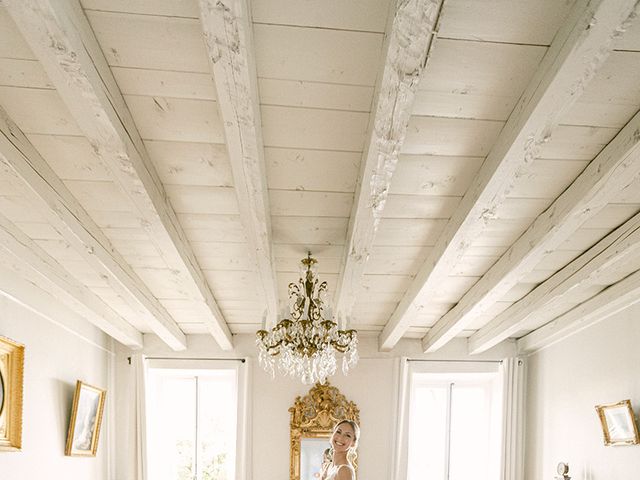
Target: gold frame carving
pixel 12 375
pixel 633 438
pixel 71 448
pixel 314 416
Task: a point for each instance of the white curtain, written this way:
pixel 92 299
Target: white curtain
pixel 399 461
pixel 139 364
pixel 513 371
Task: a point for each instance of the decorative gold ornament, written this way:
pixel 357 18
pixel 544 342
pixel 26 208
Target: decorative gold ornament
pixel 305 346
pixel 314 416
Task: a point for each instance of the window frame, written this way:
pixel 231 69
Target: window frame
pixel 443 370
pixel 242 370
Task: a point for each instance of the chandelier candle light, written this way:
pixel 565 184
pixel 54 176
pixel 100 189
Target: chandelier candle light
pixel 305 346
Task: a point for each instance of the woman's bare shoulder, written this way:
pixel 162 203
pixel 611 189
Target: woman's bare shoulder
pixel 345 473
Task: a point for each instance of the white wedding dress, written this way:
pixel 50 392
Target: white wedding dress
pixel 332 471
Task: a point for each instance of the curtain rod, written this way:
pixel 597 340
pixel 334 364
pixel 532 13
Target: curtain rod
pixel 243 360
pixel 452 361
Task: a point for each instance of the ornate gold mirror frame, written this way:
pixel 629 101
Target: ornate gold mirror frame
pixel 314 416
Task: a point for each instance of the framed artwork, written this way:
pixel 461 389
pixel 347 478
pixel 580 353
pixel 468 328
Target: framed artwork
pixel 618 423
pixel 86 417
pixel 11 378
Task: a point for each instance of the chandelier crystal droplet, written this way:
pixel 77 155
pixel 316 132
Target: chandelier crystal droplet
pixel 306 345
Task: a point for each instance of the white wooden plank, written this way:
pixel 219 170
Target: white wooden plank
pixel 584 238
pixel 53 117
pixel 159 83
pixel 326 265
pixel 406 49
pixel 22 73
pixel 39 231
pixel 309 231
pixel 571 60
pixel 608 302
pixel 183 163
pixel 92 195
pixel 408 232
pixel 434 175
pixel 463 105
pixel 290 93
pixel 17 208
pixel 612 216
pixel 615 167
pixel 507 21
pixel 491 69
pixel 365 15
pixel 500 232
pixel 317 55
pixel 71 157
pixel 202 199
pixel 313 129
pixel 168 8
pixel 176 119
pixel 420 206
pixel 314 204
pixel 49 274
pixel 148 41
pixel 56 203
pixel 580 274
pixel 375 284
pixel 75 62
pixel 450 136
pixel 323 171
pixel 546 178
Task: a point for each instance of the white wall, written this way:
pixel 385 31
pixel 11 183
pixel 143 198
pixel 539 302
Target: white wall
pixel 54 359
pixel 598 365
pixel 372 385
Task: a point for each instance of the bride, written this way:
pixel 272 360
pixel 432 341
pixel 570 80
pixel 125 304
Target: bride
pixel 338 464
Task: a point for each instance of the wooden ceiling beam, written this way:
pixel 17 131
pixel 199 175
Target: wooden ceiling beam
pixel 576 53
pixel 58 205
pixel 615 168
pixel 409 36
pixel 616 248
pixel 229 40
pixel 51 276
pixel 61 38
pixel 609 301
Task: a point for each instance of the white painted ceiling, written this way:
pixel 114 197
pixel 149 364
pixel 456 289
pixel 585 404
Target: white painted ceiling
pixel 458 167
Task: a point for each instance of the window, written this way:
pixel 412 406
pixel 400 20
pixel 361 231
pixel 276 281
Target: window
pixel 193 420
pixel 454 426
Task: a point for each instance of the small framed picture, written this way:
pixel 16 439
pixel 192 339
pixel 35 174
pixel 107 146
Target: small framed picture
pixel 86 417
pixel 618 423
pixel 11 378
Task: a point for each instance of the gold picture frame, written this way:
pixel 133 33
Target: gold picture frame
pixel 313 417
pixel 11 384
pixel 618 423
pixel 86 418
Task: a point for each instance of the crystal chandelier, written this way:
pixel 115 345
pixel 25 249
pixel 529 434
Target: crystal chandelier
pixel 305 346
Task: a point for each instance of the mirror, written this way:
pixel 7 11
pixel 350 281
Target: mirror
pixel 312 419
